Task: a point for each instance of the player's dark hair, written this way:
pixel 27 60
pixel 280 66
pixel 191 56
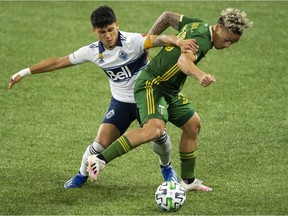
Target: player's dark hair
pixel 102 17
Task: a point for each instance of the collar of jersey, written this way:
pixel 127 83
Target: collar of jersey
pixel 211 33
pixel 118 43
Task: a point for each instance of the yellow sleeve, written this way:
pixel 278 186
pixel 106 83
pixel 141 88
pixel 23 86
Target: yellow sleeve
pixel 149 39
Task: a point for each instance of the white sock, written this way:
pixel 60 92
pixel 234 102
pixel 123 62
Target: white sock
pixel 94 148
pixel 162 147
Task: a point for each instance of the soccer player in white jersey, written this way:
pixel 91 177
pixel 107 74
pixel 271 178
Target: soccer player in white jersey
pixel 122 56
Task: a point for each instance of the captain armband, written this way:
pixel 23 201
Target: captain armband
pixel 148 43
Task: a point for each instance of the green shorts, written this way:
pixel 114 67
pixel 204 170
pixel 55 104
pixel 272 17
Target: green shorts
pixel 155 102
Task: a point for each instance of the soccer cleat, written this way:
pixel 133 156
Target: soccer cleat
pixel 95 165
pixel 195 186
pixel 76 181
pixel 169 174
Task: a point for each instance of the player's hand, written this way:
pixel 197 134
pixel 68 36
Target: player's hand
pixel 207 80
pixel 13 80
pixel 188 45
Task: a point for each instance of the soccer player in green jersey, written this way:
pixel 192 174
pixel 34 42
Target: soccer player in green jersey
pixel 158 91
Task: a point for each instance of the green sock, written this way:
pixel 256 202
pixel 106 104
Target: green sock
pixel 188 161
pixel 117 148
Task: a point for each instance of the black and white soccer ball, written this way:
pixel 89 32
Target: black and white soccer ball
pixel 170 196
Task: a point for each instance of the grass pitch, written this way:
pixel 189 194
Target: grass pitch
pixel 48 120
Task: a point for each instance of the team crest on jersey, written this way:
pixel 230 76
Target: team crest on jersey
pixel 123 55
pixel 203 29
pixel 182 97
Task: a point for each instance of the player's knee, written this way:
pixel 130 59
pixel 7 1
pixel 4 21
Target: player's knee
pixel 104 141
pixel 197 123
pixel 192 127
pixel 154 133
pixel 154 130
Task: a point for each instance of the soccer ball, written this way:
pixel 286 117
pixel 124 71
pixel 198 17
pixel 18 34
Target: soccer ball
pixel 170 196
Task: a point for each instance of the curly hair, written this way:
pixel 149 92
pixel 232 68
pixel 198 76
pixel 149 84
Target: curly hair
pixel 235 20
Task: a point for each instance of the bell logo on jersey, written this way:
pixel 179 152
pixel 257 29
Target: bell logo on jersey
pixel 124 72
pixel 118 76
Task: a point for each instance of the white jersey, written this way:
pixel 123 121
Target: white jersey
pixel 122 65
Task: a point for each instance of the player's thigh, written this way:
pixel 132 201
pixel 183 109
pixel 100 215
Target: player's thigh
pixel 151 105
pixel 192 127
pixel 120 115
pixel 180 110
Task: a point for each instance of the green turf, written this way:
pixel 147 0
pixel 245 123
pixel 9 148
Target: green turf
pixel 47 120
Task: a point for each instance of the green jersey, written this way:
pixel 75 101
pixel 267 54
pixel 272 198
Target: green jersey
pixel 164 65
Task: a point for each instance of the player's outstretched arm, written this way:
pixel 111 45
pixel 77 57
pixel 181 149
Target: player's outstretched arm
pixel 165 20
pixel 47 65
pixel 186 64
pixel 188 45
